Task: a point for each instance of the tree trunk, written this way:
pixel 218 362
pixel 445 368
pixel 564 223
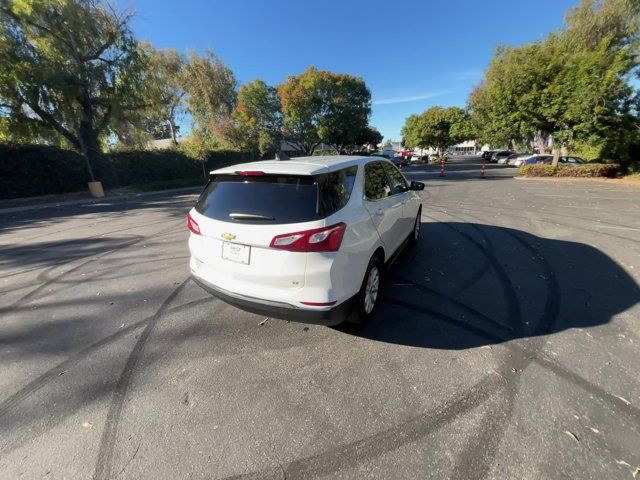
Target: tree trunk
pixel 172 128
pixel 89 146
pixel 541 146
pixel 556 156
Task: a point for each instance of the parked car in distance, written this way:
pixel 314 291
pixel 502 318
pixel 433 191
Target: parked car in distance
pixel 511 159
pixel 379 154
pixel 419 158
pixel 500 156
pixel 532 160
pixel 487 154
pixel 304 239
pixel 399 161
pixel 571 161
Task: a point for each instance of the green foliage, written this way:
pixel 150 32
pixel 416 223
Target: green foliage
pixel 211 90
pixel 33 170
pixel 369 136
pixel 70 73
pixel 165 83
pixel 592 170
pixel 255 125
pixel 437 127
pixel 586 150
pixel 573 85
pixel 322 106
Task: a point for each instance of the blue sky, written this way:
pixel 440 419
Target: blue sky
pixel 412 54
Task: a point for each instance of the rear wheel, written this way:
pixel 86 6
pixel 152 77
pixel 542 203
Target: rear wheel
pixel 415 234
pixel 369 295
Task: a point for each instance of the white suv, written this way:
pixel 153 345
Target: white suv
pixel 302 239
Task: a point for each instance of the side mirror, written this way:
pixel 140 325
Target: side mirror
pixel 416 186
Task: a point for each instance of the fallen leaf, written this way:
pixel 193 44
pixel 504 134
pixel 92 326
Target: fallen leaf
pixel 623 399
pixel 622 462
pixel 87 425
pixel 635 473
pixel 263 321
pixel 572 435
pixel 594 430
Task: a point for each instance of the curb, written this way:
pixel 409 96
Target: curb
pixel 110 199
pixel 602 180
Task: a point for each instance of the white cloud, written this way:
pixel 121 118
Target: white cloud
pixel 412 98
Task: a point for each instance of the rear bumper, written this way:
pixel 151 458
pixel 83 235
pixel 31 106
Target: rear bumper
pixel 332 316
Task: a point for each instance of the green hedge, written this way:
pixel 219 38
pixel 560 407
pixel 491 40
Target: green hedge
pixel 587 170
pixel 33 170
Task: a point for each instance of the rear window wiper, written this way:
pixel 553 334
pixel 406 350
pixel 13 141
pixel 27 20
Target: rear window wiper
pixel 249 216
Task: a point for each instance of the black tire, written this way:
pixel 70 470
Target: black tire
pixel 363 311
pixel 414 236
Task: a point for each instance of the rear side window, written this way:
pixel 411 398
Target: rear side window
pixel 376 185
pixel 276 199
pixel 335 189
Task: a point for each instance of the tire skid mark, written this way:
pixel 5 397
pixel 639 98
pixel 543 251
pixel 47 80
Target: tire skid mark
pixel 25 298
pixel 496 421
pixel 351 454
pixel 552 222
pixel 69 363
pixel 97 235
pixel 453 301
pixel 106 450
pixel 573 217
pixel 541 359
pixel 30 295
pixel 45 264
pixel 514 314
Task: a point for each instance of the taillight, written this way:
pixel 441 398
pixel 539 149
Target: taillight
pixel 249 173
pixel 325 239
pixel 192 225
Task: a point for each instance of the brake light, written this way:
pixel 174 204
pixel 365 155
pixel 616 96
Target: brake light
pixel 324 239
pixel 250 173
pixel 192 225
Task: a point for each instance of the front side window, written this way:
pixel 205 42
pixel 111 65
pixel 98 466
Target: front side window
pixel 398 183
pixel 376 185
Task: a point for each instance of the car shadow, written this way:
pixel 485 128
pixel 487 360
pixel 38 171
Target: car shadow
pixel 467 285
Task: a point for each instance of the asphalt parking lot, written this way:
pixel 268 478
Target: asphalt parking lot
pixel 507 346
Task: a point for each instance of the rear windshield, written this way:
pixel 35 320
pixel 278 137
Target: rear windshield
pixel 276 198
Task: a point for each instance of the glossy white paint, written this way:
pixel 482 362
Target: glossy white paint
pixel 294 277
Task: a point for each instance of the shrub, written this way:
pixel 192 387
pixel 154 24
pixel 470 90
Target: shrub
pixel 29 170
pixel 32 170
pixel 590 170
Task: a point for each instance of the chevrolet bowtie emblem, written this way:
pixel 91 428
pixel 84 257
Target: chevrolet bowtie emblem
pixel 228 236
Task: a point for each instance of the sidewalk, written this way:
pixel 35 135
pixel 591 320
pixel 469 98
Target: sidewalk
pixel 113 198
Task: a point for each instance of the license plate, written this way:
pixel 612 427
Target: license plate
pixel 236 253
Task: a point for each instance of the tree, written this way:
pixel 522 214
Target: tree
pixel 70 72
pixel 321 106
pixel 369 136
pixel 437 127
pixel 346 109
pixel 166 83
pixel 211 90
pixel 571 86
pixel 256 123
